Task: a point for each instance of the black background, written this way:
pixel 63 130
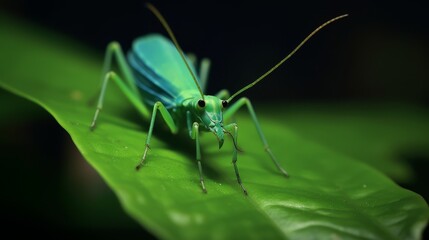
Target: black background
pixel 378 53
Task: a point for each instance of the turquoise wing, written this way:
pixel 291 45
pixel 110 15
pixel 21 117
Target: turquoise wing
pixel 161 74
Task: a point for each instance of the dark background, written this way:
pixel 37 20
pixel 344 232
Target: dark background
pixel 378 54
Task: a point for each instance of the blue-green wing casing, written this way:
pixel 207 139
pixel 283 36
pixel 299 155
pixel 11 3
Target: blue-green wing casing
pixel 161 74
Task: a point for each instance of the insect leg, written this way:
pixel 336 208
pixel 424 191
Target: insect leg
pixel 192 59
pixel 135 100
pixel 204 72
pixel 114 51
pixel 223 94
pixel 203 69
pixel 234 127
pixel 195 135
pixel 234 108
pixel 167 118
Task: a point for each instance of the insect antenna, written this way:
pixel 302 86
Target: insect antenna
pixel 287 57
pixel 173 38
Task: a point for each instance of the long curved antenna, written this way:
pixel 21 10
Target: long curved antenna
pixel 287 57
pixel 170 33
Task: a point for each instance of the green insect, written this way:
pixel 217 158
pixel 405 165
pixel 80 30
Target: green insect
pixel 157 75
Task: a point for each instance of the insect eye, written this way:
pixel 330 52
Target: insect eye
pixel 201 103
pixel 224 103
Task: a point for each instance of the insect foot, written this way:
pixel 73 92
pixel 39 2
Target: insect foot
pixel 143 158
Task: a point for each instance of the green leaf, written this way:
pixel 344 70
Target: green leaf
pixel 381 135
pixel 328 195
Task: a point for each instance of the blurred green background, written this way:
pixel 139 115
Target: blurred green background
pixel 368 70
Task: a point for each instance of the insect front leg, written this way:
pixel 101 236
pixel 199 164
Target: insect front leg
pixel 234 108
pixel 167 118
pixel 234 128
pixel 194 134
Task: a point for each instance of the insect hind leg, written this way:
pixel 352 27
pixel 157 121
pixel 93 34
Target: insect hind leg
pixel 128 87
pixel 134 99
pixel 114 51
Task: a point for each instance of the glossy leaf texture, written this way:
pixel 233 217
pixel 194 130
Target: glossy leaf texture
pixel 328 196
pixel 383 135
